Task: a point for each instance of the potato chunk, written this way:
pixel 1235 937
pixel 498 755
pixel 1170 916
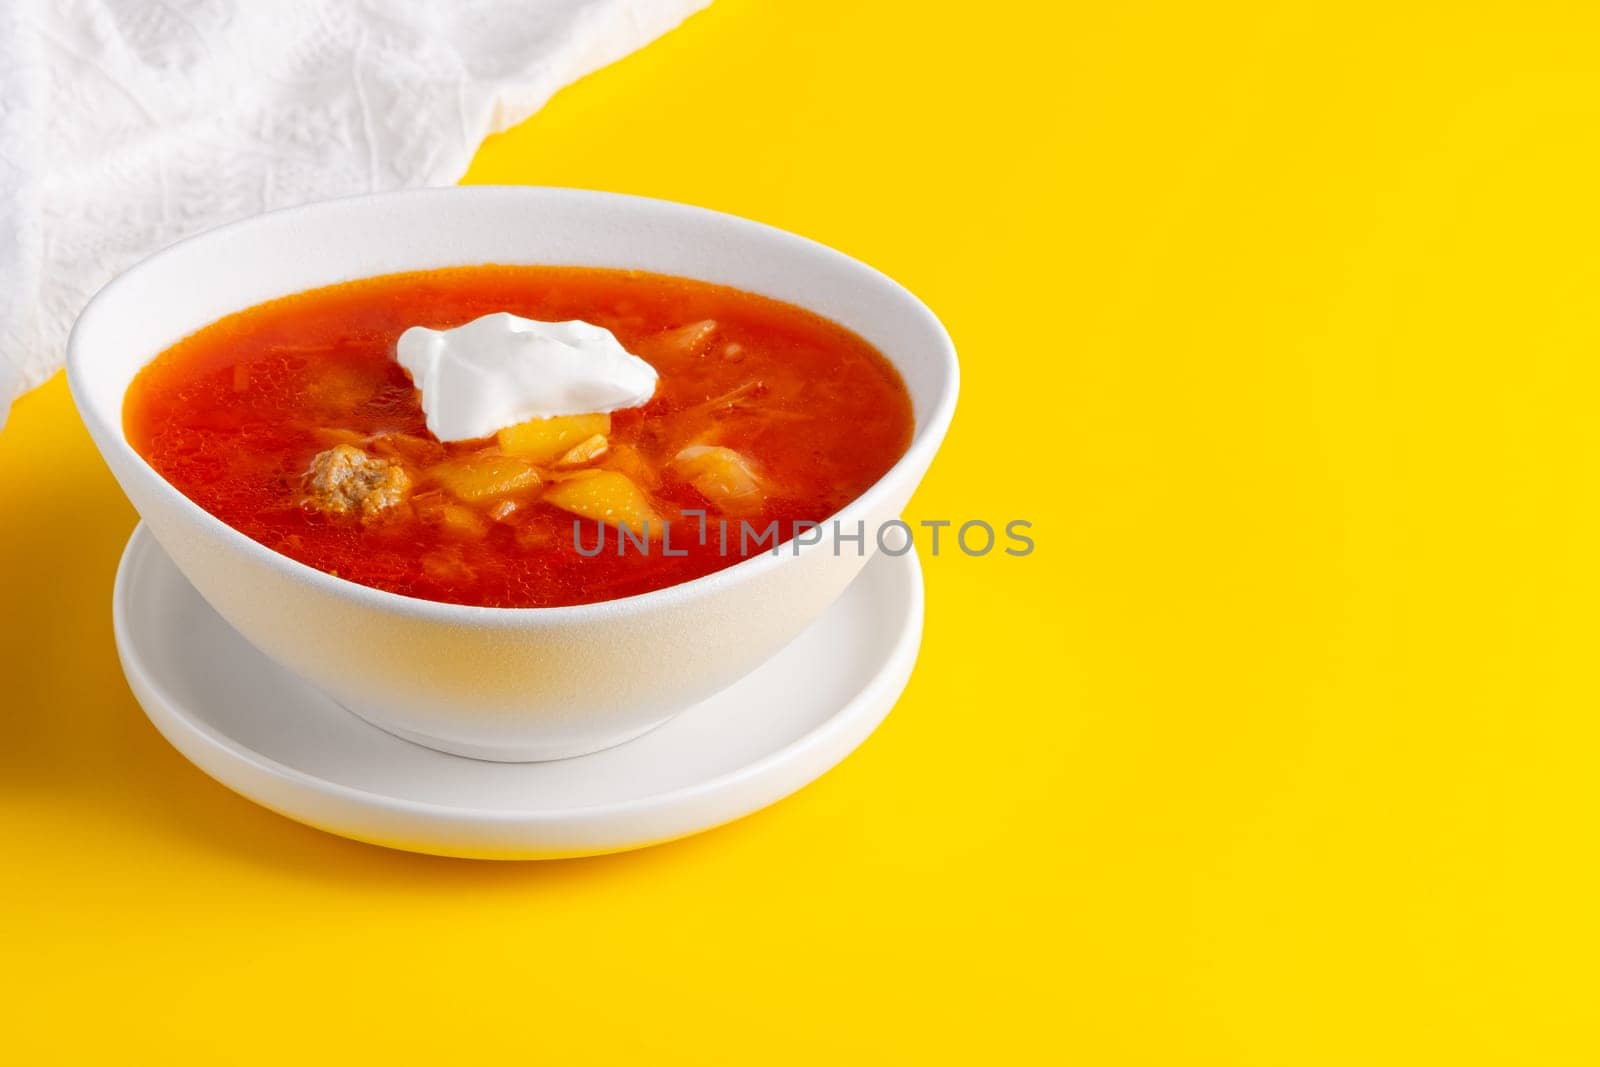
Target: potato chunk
pixel 475 478
pixel 346 481
pixel 605 496
pixel 542 440
pixel 453 519
pixel 723 476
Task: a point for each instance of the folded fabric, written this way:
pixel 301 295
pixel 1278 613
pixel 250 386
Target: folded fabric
pixel 128 124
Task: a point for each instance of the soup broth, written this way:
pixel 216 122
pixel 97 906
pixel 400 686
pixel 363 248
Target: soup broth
pixel 293 423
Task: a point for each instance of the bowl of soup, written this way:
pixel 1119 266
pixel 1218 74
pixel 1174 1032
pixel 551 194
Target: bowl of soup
pixel 562 584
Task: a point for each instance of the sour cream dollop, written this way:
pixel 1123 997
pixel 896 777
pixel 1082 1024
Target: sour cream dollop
pixel 502 369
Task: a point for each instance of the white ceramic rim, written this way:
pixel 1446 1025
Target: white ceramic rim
pixel 215 753
pixel 927 434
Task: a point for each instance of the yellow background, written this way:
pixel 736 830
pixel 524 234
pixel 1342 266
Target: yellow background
pixel 1277 320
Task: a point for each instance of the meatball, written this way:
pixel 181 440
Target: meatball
pixel 347 481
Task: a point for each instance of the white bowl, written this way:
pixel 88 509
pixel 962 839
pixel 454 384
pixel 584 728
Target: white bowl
pixel 500 683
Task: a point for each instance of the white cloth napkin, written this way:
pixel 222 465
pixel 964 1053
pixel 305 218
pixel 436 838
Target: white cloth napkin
pixel 128 124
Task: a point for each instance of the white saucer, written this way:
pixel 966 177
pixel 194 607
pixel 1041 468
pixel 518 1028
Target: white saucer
pixel 265 734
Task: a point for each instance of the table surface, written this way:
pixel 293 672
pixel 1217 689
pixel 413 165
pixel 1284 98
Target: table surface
pixel 1279 748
